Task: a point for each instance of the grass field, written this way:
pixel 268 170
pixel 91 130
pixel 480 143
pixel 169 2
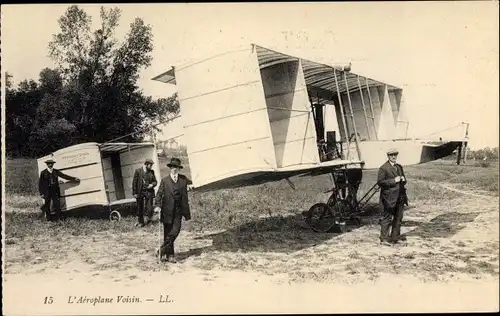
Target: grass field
pixel 452 228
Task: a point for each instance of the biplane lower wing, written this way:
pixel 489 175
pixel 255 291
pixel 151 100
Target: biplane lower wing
pixel 259 177
pixel 412 152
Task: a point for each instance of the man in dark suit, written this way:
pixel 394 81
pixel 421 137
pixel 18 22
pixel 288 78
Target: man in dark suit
pixel 392 181
pixel 143 185
pixel 172 201
pixel 48 187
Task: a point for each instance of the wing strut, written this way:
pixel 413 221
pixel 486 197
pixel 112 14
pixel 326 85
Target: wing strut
pixel 342 114
pixel 352 118
pixel 364 108
pixel 371 108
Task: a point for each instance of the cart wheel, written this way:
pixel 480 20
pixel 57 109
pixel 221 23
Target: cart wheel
pixel 115 216
pixel 320 218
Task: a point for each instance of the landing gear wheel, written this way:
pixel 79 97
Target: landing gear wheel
pixel 115 216
pixel 320 218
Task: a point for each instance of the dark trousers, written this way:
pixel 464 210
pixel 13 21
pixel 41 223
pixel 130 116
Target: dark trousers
pixel 170 233
pixel 392 218
pixel 144 206
pixel 52 199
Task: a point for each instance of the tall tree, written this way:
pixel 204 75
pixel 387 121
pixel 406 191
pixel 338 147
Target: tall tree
pixel 51 128
pixel 8 80
pixel 92 95
pixel 101 74
pixel 21 106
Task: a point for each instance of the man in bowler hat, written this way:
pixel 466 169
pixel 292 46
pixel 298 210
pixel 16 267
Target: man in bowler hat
pixel 172 201
pixel 392 181
pixel 48 187
pixel 143 185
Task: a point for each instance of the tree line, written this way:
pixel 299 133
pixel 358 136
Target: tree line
pixel 483 154
pixel 486 153
pixel 92 94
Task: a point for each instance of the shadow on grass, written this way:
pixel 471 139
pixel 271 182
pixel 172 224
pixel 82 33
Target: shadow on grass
pixel 282 234
pixel 97 212
pixel 441 226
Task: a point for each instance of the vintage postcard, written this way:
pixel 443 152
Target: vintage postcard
pixel 211 158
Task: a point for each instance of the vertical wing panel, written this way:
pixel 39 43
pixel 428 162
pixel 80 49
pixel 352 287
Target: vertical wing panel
pixel 226 123
pixel 290 115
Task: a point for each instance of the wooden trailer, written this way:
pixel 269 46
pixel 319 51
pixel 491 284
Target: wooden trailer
pixel 105 171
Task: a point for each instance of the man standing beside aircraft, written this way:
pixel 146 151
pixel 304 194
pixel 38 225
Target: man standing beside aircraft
pixel 392 181
pixel 172 201
pixel 48 187
pixel 143 185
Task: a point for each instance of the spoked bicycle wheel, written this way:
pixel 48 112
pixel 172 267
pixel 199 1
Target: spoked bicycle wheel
pixel 320 218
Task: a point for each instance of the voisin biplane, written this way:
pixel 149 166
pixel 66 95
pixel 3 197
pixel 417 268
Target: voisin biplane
pixel 254 115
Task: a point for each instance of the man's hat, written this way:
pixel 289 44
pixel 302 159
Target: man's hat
pixel 149 161
pixel 175 162
pixel 50 161
pixel 392 151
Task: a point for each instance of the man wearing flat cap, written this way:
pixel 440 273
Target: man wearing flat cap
pixel 48 187
pixel 172 201
pixel 392 181
pixel 143 185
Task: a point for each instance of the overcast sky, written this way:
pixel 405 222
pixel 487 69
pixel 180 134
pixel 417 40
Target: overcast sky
pixel 444 55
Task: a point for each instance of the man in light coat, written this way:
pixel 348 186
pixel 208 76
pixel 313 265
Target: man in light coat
pixel 172 201
pixel 392 181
